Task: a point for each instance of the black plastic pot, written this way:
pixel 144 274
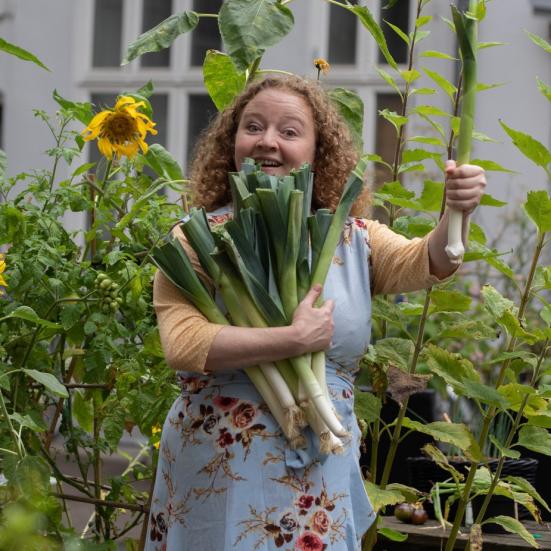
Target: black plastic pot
pixel 423 473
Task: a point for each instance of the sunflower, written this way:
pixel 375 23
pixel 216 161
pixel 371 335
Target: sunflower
pixel 322 66
pixel 121 130
pixel 2 268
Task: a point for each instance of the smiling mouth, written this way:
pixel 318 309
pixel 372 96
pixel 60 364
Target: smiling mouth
pixel 268 163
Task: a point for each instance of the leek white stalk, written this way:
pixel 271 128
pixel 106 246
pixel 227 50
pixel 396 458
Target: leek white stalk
pixel 466 30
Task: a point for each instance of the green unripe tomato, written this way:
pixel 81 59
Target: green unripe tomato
pixel 101 276
pixel 105 308
pixel 119 301
pixel 113 293
pixel 105 284
pixel 114 306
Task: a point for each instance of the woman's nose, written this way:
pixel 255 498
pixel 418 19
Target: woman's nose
pixel 268 140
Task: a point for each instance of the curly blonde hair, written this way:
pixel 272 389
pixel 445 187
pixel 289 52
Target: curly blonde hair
pixel 335 155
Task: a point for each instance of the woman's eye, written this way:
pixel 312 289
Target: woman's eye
pixel 290 133
pixel 252 127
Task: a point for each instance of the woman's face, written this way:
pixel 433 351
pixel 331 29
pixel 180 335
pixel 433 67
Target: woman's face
pixel 277 130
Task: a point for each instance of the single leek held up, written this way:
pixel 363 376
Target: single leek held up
pixel 466 30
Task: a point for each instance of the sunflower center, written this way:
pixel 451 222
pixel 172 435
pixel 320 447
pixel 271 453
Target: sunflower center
pixel 119 128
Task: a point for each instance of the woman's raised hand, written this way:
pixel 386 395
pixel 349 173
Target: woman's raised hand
pixel 314 326
pixel 465 186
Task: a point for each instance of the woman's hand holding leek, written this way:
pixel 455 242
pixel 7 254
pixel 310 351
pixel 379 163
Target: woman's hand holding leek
pixel 239 347
pixel 464 190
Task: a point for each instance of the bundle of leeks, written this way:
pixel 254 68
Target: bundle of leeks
pixel 263 262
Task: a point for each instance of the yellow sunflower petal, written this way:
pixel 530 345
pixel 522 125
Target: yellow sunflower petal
pixel 105 148
pixel 3 282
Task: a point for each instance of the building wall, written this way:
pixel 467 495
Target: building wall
pixel 60 32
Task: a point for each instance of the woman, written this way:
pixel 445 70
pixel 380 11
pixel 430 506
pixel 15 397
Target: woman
pixel 226 479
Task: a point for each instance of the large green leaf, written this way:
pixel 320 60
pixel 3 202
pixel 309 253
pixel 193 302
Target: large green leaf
pixel 49 381
pixel 495 302
pixel 162 35
pixel 545 89
pixel 32 476
pixel 392 535
pixel 222 80
pixel 456 434
pixel 372 26
pixel 450 301
pixel 248 27
pixel 515 527
pixel 25 55
pixel 453 368
pixel 538 208
pixel 28 314
pixel 442 82
pixel 536 439
pixel 381 498
pixel 529 146
pixel 163 163
pixel 351 109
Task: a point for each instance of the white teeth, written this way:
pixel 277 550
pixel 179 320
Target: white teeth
pixel 264 162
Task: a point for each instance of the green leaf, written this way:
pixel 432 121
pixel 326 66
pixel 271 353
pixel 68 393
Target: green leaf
pixel 16 51
pixel 393 118
pixel 442 82
pixel 453 368
pixel 488 201
pixel 423 91
pixel 427 140
pixel 491 166
pixel 371 25
pixel 442 461
pixel 544 89
pixel 394 351
pixel 536 439
pixel 113 426
pixel 478 136
pixel 32 476
pixel 482 87
pixel 413 226
pixel 539 41
pixel 431 196
pixel 423 20
pixel 163 163
pixel 528 146
pixel 399 32
pixel 389 80
pixel 248 27
pixel 483 45
pixel 366 406
pixel 545 314
pixel 507 452
pixel 515 527
pixel 435 53
pixel 485 394
pixel 381 498
pixel 162 35
pixel 222 80
pixel 28 314
pixel 392 535
pixel 28 421
pixel 471 329
pixel 538 208
pixel 450 301
pixel 48 381
pixel 83 411
pixel 82 111
pixel 351 108
pixel 495 302
pixel 456 434
pixel 527 488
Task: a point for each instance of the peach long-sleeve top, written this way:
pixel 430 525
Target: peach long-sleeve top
pixel 397 265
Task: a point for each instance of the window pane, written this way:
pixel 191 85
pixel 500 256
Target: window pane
pixel 107 33
pixel 342 36
pixel 201 111
pixel 155 11
pixel 206 35
pixel 398 15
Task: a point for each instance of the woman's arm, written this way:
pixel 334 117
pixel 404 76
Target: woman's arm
pixel 464 189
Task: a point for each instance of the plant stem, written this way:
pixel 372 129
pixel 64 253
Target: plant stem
pixel 103 503
pixel 254 68
pixel 490 414
pixel 13 433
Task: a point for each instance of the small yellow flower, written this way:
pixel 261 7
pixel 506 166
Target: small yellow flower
pixel 2 268
pixel 322 66
pixel 121 130
pixel 155 430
